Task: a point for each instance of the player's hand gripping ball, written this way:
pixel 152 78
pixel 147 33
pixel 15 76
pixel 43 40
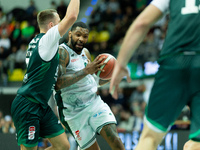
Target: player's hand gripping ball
pixel 108 67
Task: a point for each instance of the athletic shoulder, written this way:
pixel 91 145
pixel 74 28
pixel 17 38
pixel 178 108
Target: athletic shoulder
pixel 87 53
pixel 64 54
pixel 51 37
pixel 48 44
pixel 63 51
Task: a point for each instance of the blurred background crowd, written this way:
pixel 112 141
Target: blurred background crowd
pixel 108 24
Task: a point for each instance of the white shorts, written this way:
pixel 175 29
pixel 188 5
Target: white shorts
pixel 86 123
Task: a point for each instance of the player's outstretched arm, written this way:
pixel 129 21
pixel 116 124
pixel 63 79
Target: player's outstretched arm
pixel 134 36
pixel 70 17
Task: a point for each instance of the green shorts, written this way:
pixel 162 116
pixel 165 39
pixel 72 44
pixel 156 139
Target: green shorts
pixel 177 84
pixel 32 121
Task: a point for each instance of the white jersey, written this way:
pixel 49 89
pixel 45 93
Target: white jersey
pixel 82 93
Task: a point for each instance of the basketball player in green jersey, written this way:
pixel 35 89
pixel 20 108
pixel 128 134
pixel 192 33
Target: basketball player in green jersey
pixel 33 118
pixel 81 110
pixel 177 82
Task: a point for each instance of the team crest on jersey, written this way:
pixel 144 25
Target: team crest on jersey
pixel 78 135
pixel 31 132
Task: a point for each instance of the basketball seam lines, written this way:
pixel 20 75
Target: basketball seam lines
pixel 107 59
pixel 111 70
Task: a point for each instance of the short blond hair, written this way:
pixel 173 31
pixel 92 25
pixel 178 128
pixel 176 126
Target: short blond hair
pixel 45 16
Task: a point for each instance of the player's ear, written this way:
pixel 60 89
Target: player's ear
pixel 51 24
pixel 70 34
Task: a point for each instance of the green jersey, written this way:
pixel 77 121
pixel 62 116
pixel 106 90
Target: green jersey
pixel 40 78
pixel 183 28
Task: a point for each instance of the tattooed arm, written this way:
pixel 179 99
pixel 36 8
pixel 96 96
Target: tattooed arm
pixel 65 79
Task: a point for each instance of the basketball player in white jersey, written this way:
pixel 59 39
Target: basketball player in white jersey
pixel 81 110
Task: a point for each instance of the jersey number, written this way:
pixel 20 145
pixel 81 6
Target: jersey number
pixel 28 55
pixel 190 7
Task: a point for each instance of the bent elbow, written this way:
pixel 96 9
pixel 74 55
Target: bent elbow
pixel 73 17
pixel 142 25
pixel 57 86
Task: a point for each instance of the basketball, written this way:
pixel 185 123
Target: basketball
pixel 108 67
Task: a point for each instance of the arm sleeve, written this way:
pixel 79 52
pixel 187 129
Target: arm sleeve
pixel 163 5
pixel 48 45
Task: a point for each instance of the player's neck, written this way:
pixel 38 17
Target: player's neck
pixel 70 45
pixel 42 31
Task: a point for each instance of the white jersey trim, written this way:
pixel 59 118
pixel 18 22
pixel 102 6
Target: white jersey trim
pixel 151 126
pixel 48 44
pixel 163 5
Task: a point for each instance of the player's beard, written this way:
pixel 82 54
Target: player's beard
pixel 74 43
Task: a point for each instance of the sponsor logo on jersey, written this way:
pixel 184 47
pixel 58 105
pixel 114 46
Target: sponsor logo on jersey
pixel 31 133
pixel 99 113
pixel 78 135
pixel 73 60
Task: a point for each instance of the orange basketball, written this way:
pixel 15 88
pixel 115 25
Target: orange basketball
pixel 108 67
